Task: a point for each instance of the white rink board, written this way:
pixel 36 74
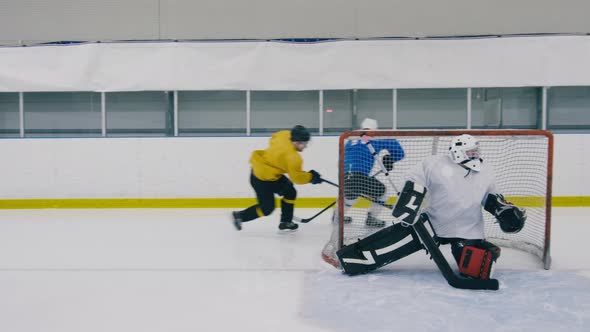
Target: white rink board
pixel 198 167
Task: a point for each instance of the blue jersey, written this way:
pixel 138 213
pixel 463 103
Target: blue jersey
pixel 358 158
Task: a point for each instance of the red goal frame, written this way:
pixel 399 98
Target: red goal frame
pixel 409 133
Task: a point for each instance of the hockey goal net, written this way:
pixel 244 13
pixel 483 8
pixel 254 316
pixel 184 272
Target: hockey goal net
pixel 522 162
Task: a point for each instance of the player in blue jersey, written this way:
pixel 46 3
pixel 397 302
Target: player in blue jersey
pixel 359 158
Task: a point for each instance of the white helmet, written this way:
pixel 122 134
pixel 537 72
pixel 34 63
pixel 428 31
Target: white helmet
pixel 370 124
pixel 464 150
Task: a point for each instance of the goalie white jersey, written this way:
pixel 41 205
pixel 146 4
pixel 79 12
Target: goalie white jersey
pixel 455 195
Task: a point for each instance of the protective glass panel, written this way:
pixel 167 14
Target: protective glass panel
pixel 375 104
pixel 337 112
pixel 211 113
pixel 277 110
pixel 432 108
pixel 142 113
pixel 9 115
pixel 505 107
pixel 568 107
pixel 62 114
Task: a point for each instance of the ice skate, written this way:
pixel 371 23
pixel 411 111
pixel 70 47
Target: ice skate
pixel 374 222
pixel 237 220
pixel 288 226
pixel 347 219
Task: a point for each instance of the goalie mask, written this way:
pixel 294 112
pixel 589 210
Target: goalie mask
pixel 464 150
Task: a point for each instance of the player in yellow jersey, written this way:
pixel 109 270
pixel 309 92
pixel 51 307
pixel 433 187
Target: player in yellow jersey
pixel 268 177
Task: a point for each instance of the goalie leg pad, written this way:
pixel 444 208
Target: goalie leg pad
pixel 476 262
pixel 408 203
pixel 376 250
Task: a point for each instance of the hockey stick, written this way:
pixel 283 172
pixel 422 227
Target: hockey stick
pixel 389 206
pixel 330 182
pixel 306 220
pixel 380 162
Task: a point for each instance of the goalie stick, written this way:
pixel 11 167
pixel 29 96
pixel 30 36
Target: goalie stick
pixel 453 279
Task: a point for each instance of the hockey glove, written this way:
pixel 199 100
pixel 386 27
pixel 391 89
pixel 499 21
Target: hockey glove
pixel 388 162
pixel 510 217
pixel 316 178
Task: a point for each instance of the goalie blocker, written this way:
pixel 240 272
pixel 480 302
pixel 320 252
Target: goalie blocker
pixel 477 258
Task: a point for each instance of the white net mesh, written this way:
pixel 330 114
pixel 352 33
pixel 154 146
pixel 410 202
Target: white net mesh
pixel 521 161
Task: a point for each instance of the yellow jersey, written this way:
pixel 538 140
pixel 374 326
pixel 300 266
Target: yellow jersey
pixel 281 157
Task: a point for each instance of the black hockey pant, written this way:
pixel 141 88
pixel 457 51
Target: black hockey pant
pixel 265 193
pixel 358 184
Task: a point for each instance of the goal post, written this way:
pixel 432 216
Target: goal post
pixel 522 161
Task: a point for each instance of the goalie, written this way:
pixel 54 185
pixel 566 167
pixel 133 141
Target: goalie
pixel 360 157
pixel 459 185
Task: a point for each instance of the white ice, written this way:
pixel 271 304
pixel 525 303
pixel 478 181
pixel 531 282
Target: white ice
pixel 172 270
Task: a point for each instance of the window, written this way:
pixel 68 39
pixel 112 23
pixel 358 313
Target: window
pixel 9 115
pixel 62 114
pixel 337 112
pixel 214 113
pixel 143 113
pixel 211 112
pixel 569 107
pixel 505 107
pixel 276 110
pixel 375 104
pixel 432 108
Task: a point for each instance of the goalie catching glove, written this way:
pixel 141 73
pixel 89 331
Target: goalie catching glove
pixel 510 217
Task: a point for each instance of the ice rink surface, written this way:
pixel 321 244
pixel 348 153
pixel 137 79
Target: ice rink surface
pixel 171 270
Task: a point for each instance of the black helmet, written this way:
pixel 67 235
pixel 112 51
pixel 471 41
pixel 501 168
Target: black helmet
pixel 300 134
